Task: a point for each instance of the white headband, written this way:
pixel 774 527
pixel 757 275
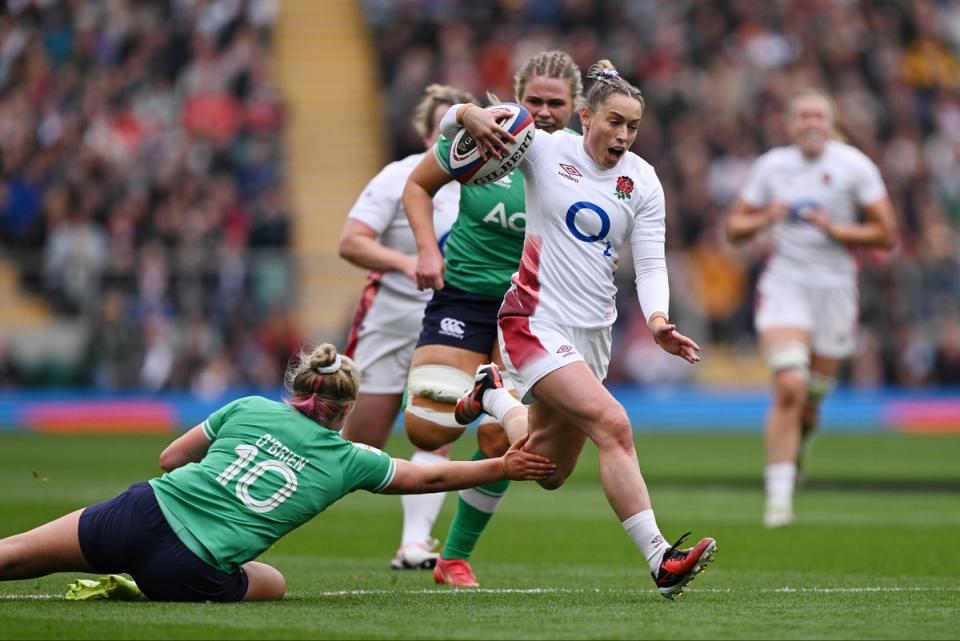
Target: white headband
pixel 332 367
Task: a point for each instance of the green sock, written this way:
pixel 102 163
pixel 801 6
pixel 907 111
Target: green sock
pixel 475 506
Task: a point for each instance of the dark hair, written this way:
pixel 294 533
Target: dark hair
pixel 321 383
pixel 605 81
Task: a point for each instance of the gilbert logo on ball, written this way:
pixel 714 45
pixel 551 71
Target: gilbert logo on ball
pixel 469 167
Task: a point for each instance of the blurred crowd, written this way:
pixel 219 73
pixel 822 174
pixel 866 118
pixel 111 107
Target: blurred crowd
pixel 140 186
pixel 716 76
pixel 141 160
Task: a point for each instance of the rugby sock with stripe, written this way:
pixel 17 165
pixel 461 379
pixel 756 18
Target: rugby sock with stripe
pixel 420 510
pixel 475 507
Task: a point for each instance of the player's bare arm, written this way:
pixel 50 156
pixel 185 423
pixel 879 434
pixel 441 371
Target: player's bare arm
pixel 188 448
pixel 746 221
pixel 359 245
pixel 425 181
pixel 516 465
pixel 878 230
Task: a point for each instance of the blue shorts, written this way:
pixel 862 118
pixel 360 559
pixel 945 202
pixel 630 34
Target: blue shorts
pixel 461 319
pixel 129 533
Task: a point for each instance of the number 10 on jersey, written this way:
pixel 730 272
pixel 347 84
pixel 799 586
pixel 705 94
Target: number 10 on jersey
pixel 245 455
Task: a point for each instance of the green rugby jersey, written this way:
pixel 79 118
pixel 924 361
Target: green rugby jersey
pixel 485 243
pixel 269 470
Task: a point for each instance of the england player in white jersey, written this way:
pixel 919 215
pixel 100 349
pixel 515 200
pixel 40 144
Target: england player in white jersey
pixel 386 323
pixel 586 197
pixel 810 193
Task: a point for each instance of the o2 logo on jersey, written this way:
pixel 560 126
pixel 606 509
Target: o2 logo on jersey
pixel 589 223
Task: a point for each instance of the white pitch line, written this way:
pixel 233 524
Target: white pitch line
pixel 534 591
pixel 783 590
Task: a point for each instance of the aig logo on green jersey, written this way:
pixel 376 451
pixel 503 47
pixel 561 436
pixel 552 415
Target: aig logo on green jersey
pixel 517 221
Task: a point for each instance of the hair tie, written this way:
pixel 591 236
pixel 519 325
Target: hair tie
pixel 331 368
pixel 606 74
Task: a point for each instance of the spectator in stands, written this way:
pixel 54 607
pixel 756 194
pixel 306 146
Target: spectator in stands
pixel 140 147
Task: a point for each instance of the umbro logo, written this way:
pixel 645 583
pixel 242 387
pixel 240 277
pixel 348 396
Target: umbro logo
pixel 570 173
pixel 452 327
pixel 565 350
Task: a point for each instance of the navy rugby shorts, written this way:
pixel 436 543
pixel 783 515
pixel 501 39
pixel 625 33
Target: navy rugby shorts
pixel 461 319
pixel 129 533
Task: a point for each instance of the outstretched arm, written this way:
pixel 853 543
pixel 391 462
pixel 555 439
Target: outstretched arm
pixel 516 464
pixel 191 447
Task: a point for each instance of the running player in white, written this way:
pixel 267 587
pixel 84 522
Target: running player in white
pixel 586 197
pixel 810 194
pixel 386 322
pixel 460 322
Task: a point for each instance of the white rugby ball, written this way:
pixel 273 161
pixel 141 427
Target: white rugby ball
pixel 469 167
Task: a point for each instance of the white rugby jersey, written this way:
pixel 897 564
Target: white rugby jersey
pixel 578 216
pixel 841 180
pixel 380 207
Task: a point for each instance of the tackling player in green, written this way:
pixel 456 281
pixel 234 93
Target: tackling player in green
pixel 252 472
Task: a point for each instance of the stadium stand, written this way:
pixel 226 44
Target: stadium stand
pixel 156 157
pixel 142 197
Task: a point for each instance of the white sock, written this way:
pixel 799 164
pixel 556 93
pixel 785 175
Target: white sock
pixel 778 480
pixel 420 510
pixel 497 402
pixel 643 531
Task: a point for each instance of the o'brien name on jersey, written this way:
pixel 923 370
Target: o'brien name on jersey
pixel 281 452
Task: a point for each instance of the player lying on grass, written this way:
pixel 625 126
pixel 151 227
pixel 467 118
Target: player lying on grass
pixel 252 472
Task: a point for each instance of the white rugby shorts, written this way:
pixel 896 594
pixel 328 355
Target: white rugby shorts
pixel 829 313
pixel 386 337
pixel 533 347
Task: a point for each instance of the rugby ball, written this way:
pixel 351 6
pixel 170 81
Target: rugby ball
pixel 800 210
pixel 469 167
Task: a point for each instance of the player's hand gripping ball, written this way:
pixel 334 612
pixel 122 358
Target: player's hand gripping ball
pixel 469 167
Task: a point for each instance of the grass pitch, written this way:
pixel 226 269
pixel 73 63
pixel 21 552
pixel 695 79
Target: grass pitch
pixel 873 554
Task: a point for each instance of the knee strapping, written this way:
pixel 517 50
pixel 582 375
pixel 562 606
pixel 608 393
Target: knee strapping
pixel 439 383
pixel 795 356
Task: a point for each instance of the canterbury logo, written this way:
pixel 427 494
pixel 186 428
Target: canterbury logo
pixel 452 327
